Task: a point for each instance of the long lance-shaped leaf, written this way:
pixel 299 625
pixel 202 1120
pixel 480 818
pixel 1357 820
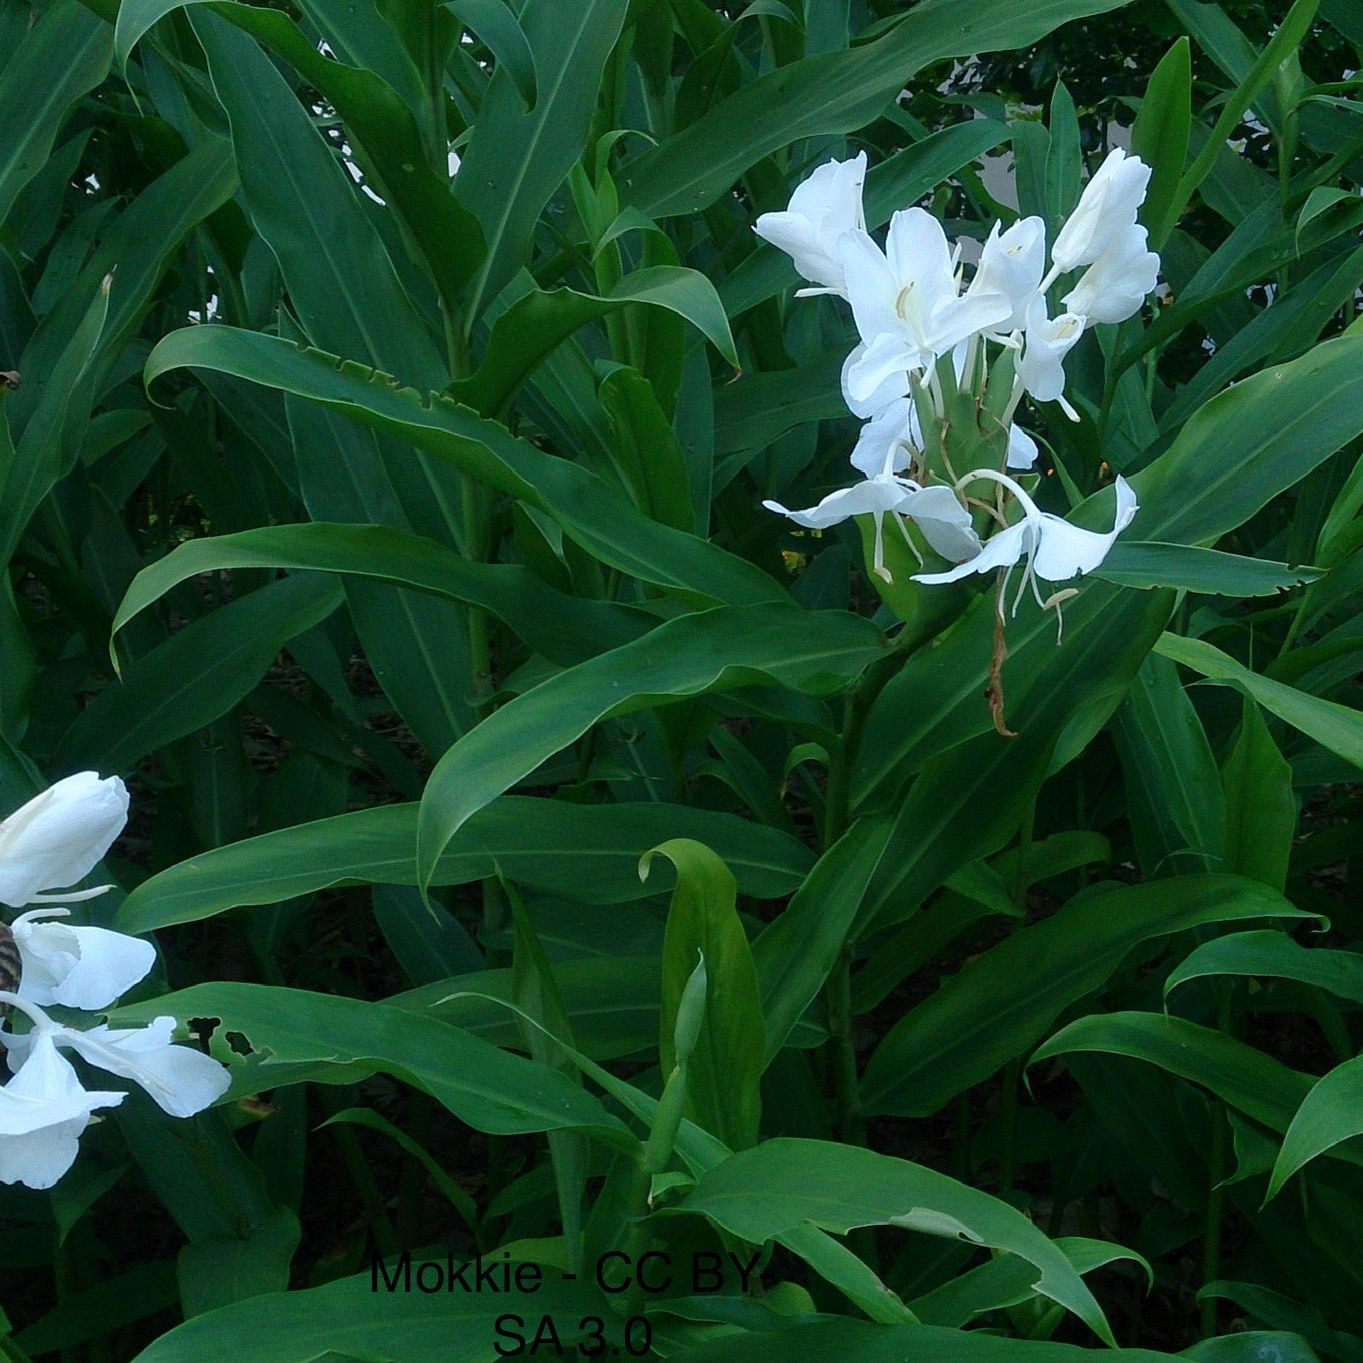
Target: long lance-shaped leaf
pixel 782 1184
pixel 1332 725
pixel 490 1089
pixel 1247 1079
pixel 196 675
pixel 591 511
pixel 380 124
pixel 65 55
pixel 999 1005
pixel 815 652
pixel 589 853
pixel 518 157
pixel 832 92
pixel 1330 1114
pixel 566 629
pixel 538 321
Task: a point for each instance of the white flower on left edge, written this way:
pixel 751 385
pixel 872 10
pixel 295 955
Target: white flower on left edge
pixel 44 1108
pixel 58 838
pixel 55 840
pixel 43 1112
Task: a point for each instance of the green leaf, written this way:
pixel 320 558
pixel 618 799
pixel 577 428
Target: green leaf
pixel 1330 1113
pixel 538 321
pixel 829 93
pixel 859 1341
pixel 1333 726
pixel 997 1007
pixel 197 675
pixel 61 58
pixel 564 628
pixel 796 953
pixel 1247 1079
pixel 1160 138
pixel 1208 572
pixel 488 1088
pixel 724 1070
pixel 517 157
pixel 347 1317
pixel 762 1193
pixel 589 853
pixel 602 520
pixel 341 278
pixel 1261 811
pixel 215 1273
pixel 496 28
pixel 1273 955
pixel 812 651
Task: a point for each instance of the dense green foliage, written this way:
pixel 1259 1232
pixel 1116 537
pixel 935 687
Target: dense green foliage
pixel 396 532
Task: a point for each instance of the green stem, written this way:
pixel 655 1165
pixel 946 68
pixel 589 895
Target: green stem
pixel 851 1126
pixel 1216 1173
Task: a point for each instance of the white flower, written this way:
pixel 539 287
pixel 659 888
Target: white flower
pixel 907 304
pixel 43 1111
pixel 887 442
pixel 1115 285
pixel 1056 550
pixel 823 208
pixel 936 511
pixel 1040 367
pixel 181 1080
pixel 58 837
pixel 78 967
pixel 1011 264
pixel 1106 208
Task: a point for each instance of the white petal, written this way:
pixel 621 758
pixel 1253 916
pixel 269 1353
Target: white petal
pixel 881 447
pixel 37 1159
pixel 1067 550
pixel 873 494
pixel 1116 284
pixel 1012 264
pixel 48 953
pixel 45 1091
pixel 1001 551
pixel 110 964
pixel 1022 449
pixel 945 523
pixel 1105 209
pixel 891 390
pixel 878 369
pixel 180 1080
pixel 57 838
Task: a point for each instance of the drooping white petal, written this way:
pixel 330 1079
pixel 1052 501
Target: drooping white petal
pixel 1066 550
pixel 180 1080
pixel 944 522
pixel 1012 264
pixel 825 206
pixel 79 967
pixel 855 371
pixel 1022 449
pixel 57 838
pixel 1002 550
pixel 1116 284
pixel 886 442
pixel 43 1111
pixel 1041 366
pixel 1106 208
pixel 869 496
